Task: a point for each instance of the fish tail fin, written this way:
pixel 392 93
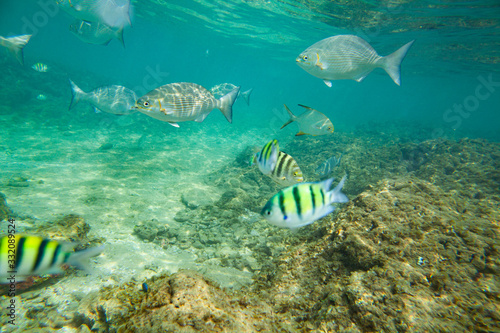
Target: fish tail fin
pixel 292 117
pixel 246 95
pixel 392 63
pixel 336 195
pixel 119 36
pixel 253 159
pixel 76 94
pixel 79 259
pixel 16 45
pixel 225 103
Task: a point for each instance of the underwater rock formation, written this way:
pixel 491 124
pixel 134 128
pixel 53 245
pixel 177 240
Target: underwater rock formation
pixel 182 302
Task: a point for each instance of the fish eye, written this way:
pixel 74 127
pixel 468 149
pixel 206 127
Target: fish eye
pixel 268 212
pixel 146 103
pixel 295 173
pixel 305 57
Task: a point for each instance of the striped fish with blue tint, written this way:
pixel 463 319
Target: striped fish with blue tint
pixel 267 158
pixel 23 256
pixel 302 204
pixel 39 67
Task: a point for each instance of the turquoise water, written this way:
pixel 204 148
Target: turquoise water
pixel 132 172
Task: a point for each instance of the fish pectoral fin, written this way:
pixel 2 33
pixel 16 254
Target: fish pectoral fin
pixel 173 124
pixel 300 133
pixel 321 65
pixel 328 83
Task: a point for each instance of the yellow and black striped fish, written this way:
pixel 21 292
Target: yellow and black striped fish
pixel 267 158
pixel 23 255
pixel 39 67
pixel 287 171
pixel 302 204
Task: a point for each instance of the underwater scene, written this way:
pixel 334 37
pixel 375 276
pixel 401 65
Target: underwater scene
pixel 249 166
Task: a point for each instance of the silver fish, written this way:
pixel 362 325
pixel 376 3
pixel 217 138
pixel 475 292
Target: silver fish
pixel 15 45
pixel 114 13
pixel 349 57
pixel 117 100
pixel 184 101
pixel 95 32
pixel 224 88
pixel 325 168
pixel 310 122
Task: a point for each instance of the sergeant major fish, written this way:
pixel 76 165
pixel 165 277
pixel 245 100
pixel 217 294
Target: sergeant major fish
pixel 113 99
pixel 15 45
pixel 95 32
pixel 310 122
pixel 184 101
pixel 349 57
pixel 286 172
pixel 302 204
pixel 40 67
pixel 267 158
pixel 23 256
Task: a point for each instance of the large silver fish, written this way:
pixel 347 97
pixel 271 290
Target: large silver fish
pixel 184 101
pixel 15 45
pixel 95 32
pixel 117 100
pixel 349 57
pixel 114 13
pixel 224 88
pixel 311 122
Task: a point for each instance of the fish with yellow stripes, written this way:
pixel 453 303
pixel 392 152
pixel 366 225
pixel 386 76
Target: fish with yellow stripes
pixel 266 159
pixel 302 204
pixel 22 256
pixel 184 101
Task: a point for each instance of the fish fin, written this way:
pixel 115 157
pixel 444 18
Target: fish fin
pixel 119 36
pixel 300 133
pixel 292 117
pixel 96 110
pixel 319 63
pixel 392 63
pixel 362 76
pixel 253 159
pixel 79 259
pixel 336 195
pixel 173 124
pixel 307 107
pixel 16 46
pixel 76 94
pixel 246 95
pixel 201 117
pixel 328 83
pixel 225 103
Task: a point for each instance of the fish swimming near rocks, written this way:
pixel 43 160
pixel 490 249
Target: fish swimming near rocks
pixel 311 122
pixel 184 101
pixel 325 168
pixel 22 256
pixel 224 88
pixel 349 57
pixel 113 99
pixel 286 172
pixel 95 32
pixel 302 204
pixel 113 13
pixel 267 158
pixel 15 45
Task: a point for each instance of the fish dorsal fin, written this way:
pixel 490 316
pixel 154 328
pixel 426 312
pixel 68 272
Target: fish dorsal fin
pixel 328 83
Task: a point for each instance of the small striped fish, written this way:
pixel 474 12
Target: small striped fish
pixel 39 67
pixel 302 204
pixel 349 57
pixel 287 171
pixel 184 101
pixel 23 256
pixel 266 159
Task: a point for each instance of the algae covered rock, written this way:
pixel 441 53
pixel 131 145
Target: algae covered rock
pixel 5 211
pixel 182 302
